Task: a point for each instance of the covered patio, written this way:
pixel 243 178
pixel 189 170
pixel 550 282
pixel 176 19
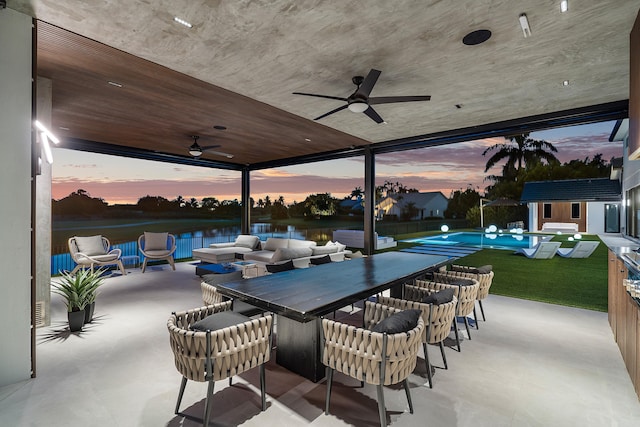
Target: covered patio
pixel 530 364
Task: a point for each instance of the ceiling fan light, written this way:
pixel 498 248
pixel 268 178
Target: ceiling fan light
pixel 195 150
pixel 358 107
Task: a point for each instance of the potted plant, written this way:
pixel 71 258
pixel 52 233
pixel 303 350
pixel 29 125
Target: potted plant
pixel 79 293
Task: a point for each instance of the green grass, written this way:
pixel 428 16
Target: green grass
pixel 571 282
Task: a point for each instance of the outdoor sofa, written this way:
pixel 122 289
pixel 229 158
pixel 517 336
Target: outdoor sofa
pixel 276 250
pixel 226 252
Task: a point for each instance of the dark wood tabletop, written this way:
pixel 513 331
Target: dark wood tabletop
pixel 305 294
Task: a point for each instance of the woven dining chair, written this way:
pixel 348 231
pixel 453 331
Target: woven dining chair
pixel 485 279
pixel 212 355
pixel 437 318
pixel 466 295
pixel 372 357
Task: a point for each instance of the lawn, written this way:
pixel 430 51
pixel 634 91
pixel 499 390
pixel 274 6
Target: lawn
pixel 564 281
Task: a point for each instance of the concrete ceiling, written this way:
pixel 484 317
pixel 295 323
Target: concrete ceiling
pixel 265 50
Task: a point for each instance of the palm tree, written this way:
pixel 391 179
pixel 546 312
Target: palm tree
pixel 518 151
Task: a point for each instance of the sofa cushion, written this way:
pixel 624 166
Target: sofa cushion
pixel 403 321
pixel 274 243
pixel 261 256
pixel 323 250
pixel 462 282
pixel 295 243
pixel 247 241
pixel 485 269
pixel 155 241
pixel 91 245
pixel 282 254
pixel 321 260
pixel 220 320
pixel 441 297
pixel 340 246
pixel 282 266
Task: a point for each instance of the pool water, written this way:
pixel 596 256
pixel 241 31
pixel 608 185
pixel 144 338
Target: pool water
pixel 507 241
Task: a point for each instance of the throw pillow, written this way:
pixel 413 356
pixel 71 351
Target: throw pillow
pixel 462 282
pixel 321 260
pixel 247 241
pixel 91 245
pixel 340 246
pixel 283 266
pixel 155 241
pixel 274 243
pixel 282 254
pixel 485 269
pixel 323 250
pixel 354 255
pixel 441 297
pixel 220 320
pixel 403 321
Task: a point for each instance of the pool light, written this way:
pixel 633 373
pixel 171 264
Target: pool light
pixel 577 236
pixel 444 228
pixel 493 228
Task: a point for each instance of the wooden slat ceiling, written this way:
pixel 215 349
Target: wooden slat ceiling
pixel 159 109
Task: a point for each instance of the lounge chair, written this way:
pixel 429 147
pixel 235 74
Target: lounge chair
pixel 157 246
pixel 543 250
pixel 94 251
pixel 582 249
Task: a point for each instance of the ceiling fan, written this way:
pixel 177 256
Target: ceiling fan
pixel 196 150
pixel 360 102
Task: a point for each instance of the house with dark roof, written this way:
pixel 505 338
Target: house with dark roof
pixel 413 205
pixel 593 204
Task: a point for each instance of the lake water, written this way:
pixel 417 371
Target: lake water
pixel 507 241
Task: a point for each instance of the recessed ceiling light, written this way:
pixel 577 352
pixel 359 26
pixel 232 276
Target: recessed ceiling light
pixel 524 24
pixel 458 106
pixel 307 139
pixel 182 21
pixel 63 128
pixel 564 6
pixel 476 37
pixel 115 84
pixel 565 83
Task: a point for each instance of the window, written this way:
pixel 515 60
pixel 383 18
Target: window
pixel 575 210
pixel 546 210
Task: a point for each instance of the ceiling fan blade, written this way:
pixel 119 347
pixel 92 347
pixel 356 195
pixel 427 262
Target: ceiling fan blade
pixel 220 153
pixel 207 147
pixel 331 112
pixel 373 115
pixel 392 99
pixel 321 96
pixel 368 83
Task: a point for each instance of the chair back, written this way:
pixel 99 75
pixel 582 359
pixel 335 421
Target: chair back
pixel 437 318
pixel 154 239
pixel 546 250
pixel 584 248
pixel 200 356
pixel 74 249
pixel 210 294
pixel 466 294
pixel 373 357
pixel 484 279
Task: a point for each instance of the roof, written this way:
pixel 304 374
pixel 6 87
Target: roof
pixel 240 62
pixel 572 190
pixel 419 199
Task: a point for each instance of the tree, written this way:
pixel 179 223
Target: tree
pixel 461 201
pixel 267 201
pixel 357 193
pixel 321 204
pixel 519 151
pixel 154 204
pixel 279 210
pixel 409 211
pixel 79 203
pixel 210 203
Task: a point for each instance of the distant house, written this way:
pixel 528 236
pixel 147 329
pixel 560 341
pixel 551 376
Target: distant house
pixel 593 204
pixel 352 206
pixel 422 205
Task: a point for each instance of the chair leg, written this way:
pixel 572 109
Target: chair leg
pixel 444 358
pixel 207 403
pixel 121 267
pixel 263 388
pixel 406 390
pixel 455 328
pixel 329 383
pixel 381 410
pixel 230 381
pixel 475 317
pixel 181 393
pixel 466 325
pixel 144 264
pixel 78 267
pixel 173 264
pixel 482 310
pixel 426 362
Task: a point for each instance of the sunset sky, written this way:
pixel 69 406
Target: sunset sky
pixel 444 168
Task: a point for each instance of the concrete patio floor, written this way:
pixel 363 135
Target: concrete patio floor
pixel 529 364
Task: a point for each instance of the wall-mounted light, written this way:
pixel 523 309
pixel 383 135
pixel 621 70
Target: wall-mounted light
pixel 524 24
pixel 564 6
pixel 45 136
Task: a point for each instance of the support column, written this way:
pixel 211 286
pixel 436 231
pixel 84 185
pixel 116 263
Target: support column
pixel 245 219
pixel 369 201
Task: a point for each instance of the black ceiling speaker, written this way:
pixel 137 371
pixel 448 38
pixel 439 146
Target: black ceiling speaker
pixel 360 102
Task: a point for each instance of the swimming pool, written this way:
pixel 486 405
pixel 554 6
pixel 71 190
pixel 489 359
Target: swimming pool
pixel 507 241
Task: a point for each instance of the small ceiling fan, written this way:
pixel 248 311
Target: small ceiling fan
pixel 360 102
pixel 196 150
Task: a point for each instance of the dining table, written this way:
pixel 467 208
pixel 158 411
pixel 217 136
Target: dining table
pixel 301 297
